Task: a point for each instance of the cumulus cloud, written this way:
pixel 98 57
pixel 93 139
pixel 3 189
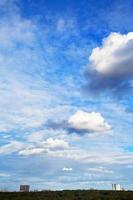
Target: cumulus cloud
pixel 88 122
pixel 111 65
pixel 30 147
pixel 81 122
pixel 44 147
pixel 56 143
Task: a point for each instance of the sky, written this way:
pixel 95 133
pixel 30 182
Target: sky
pixel 66 94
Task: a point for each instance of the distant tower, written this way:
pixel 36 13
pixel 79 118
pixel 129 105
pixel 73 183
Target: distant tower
pixel 24 188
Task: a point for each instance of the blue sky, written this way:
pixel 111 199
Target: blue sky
pixel 66 85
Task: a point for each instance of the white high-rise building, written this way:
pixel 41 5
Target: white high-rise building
pixel 116 187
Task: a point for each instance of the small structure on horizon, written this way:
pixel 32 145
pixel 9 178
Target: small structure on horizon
pixel 116 187
pixel 24 188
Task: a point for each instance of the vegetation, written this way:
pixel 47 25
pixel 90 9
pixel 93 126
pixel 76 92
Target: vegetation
pixel 68 195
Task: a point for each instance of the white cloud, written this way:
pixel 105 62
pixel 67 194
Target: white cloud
pixel 13 146
pixel 44 147
pixel 67 169
pixel 26 107
pixel 88 121
pixel 32 151
pixel 17 31
pixel 4 175
pixel 26 94
pixel 14 28
pixel 115 56
pixel 56 143
pixel 100 170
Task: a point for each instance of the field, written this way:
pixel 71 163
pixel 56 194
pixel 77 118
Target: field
pixel 68 195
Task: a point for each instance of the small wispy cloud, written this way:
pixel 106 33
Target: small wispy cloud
pixel 67 169
pixel 12 147
pixel 4 175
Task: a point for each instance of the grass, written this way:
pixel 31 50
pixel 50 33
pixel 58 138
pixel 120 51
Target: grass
pixel 68 195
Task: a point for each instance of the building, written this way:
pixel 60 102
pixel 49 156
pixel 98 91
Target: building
pixel 24 188
pixel 116 187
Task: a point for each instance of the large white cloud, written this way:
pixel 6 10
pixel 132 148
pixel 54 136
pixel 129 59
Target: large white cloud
pixel 90 122
pixel 115 56
pixel 111 65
